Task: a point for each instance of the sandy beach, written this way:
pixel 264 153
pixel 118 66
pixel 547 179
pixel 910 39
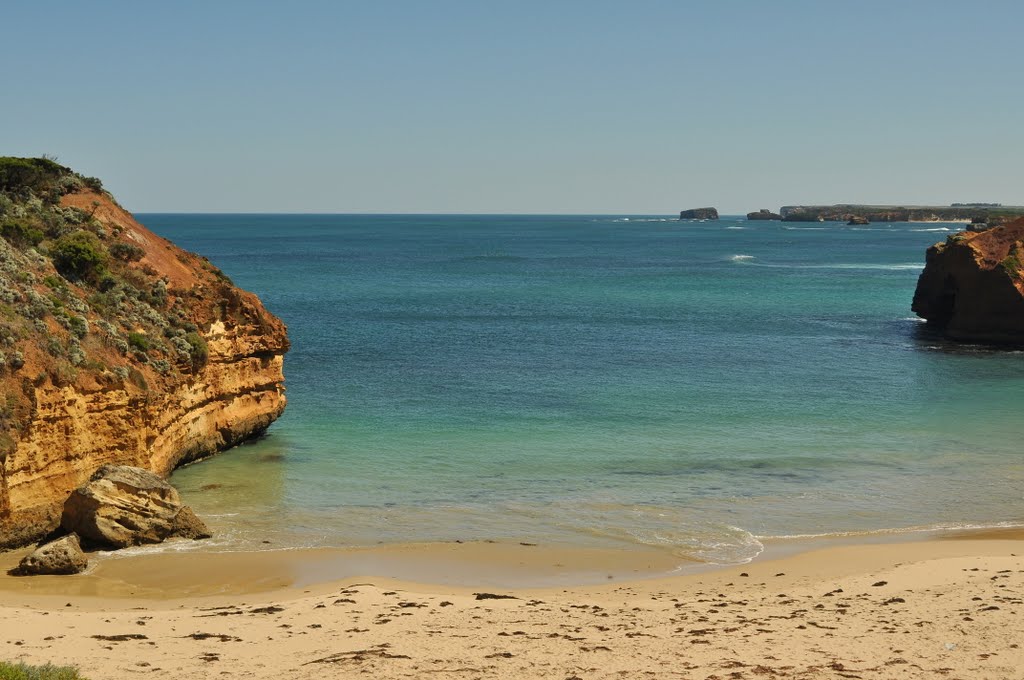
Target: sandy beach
pixel 933 608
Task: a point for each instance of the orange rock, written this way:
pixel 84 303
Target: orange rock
pixel 972 286
pixel 70 424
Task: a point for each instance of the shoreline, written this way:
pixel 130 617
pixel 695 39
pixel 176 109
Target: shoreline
pixel 947 605
pixel 156 573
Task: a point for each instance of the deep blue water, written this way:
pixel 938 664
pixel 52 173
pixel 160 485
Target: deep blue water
pixel 593 380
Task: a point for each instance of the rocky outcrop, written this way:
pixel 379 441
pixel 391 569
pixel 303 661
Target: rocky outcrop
pixel 972 286
pixel 860 220
pixel 116 347
pixel 188 525
pixel 62 556
pixel 763 214
pixel 844 212
pixel 121 506
pixel 699 214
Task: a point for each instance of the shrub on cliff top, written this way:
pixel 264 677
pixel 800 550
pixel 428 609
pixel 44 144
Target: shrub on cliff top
pixel 36 175
pixel 80 256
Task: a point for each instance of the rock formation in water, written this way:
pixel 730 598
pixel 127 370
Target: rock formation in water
pixel 699 214
pixel 763 214
pixel 858 220
pixel 116 347
pixel 972 286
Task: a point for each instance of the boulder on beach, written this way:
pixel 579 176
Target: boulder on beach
pixel 62 556
pixel 122 506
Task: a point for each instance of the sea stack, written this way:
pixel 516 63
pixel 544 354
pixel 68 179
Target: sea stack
pixel 116 347
pixel 763 214
pixel 699 214
pixel 972 286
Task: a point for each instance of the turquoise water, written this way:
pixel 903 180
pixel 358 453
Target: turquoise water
pixel 590 380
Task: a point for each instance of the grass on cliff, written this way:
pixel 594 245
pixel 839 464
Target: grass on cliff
pixel 21 671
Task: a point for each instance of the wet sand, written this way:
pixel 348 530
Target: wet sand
pixel 934 608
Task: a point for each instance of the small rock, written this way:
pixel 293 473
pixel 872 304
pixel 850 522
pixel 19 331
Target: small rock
pixel 63 556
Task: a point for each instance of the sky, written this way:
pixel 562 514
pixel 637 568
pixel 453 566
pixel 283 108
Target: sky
pixel 558 106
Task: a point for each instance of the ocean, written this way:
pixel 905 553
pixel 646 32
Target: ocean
pixel 604 381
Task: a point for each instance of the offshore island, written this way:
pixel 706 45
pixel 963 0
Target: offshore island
pixel 123 355
pixel 989 214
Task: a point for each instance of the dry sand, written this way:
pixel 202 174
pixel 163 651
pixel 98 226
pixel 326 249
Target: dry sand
pixel 935 608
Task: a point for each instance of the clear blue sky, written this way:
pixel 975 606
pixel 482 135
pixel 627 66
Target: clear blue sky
pixel 553 106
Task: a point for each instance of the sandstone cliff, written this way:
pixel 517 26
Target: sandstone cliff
pixel 972 286
pixel 115 347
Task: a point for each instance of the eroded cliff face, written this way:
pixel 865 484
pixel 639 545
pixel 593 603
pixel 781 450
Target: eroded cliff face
pixel 160 362
pixel 972 286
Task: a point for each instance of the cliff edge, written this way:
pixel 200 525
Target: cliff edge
pixel 972 286
pixel 116 347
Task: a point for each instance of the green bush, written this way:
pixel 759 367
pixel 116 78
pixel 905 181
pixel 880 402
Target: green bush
pixel 20 233
pixel 129 252
pixel 139 341
pixel 80 256
pixel 93 183
pixel 36 175
pixel 198 350
pixel 1012 263
pixel 78 325
pixel 21 671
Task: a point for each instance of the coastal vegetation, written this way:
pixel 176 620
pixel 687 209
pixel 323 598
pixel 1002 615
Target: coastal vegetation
pixel 22 671
pixel 77 293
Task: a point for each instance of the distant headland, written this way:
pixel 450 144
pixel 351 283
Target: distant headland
pixel 845 212
pixel 988 214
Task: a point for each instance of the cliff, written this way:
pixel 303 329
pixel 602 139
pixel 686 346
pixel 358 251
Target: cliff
pixel 888 213
pixel 972 286
pixel 115 347
pixel 763 214
pixel 699 214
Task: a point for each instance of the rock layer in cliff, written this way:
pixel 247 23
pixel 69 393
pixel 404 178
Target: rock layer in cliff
pixel 972 286
pixel 116 346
